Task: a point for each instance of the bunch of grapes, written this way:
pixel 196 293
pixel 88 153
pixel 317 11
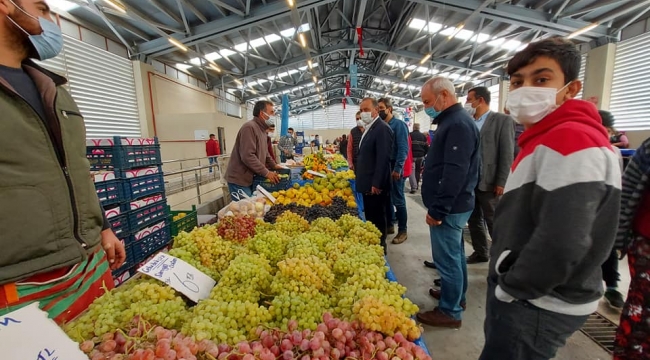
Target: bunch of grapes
pixel 308 270
pixel 190 258
pixel 376 315
pixel 327 226
pixel 364 278
pixel 303 246
pixel 261 226
pixel 363 236
pixel 304 307
pixel 357 256
pixel 247 277
pixel 204 245
pixel 279 209
pixel 291 224
pixel 272 245
pixel 146 299
pixel 347 222
pixel 237 229
pixel 397 302
pixel 226 322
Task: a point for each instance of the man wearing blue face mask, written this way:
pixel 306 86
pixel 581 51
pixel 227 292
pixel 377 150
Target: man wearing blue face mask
pixel 558 217
pixel 56 245
pixel 448 183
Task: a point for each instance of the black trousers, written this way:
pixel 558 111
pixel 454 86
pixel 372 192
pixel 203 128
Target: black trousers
pixel 481 222
pixel 375 211
pixel 611 275
pixel 522 331
pixel 419 161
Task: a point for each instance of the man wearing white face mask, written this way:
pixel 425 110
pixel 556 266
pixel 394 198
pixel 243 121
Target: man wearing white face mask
pixel 497 153
pixel 251 155
pixel 353 141
pixel 56 245
pixel 557 219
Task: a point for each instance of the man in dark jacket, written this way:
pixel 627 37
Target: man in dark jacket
pixel 419 148
pixel 373 168
pixel 450 177
pixel 353 141
pixel 497 152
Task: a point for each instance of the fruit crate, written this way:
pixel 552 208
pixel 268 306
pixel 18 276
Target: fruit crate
pixel 149 240
pixel 144 216
pixel 186 223
pixel 122 153
pixel 284 184
pixel 120 225
pixel 141 183
pixel 108 188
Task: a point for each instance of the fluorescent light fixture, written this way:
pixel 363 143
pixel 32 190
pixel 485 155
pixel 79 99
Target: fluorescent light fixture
pixel 426 57
pixel 303 41
pixel 238 82
pixel 116 5
pixel 62 5
pixel 407 75
pixel 290 2
pixel 315 79
pixel 252 91
pixel 214 66
pixel 486 73
pixel 178 44
pixel 582 31
pixel 309 63
pixel 457 31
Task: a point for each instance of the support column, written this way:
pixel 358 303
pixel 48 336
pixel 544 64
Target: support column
pixel 504 85
pixel 599 74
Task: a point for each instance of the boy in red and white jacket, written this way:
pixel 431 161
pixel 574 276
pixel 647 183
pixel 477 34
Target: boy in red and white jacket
pixel 557 220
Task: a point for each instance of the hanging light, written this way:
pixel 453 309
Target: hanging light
pixel 303 41
pixel 290 2
pixel 426 57
pixel 582 31
pixel 178 44
pixel 116 5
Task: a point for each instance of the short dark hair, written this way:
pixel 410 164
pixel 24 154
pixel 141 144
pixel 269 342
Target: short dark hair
pixel 386 102
pixel 344 137
pixel 290 129
pixel 212 135
pixel 481 92
pixel 563 51
pixel 607 118
pixel 260 106
pixel 316 135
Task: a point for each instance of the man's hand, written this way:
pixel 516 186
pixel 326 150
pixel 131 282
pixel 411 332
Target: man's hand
pixel 375 191
pixel 396 175
pixel 114 249
pixel 273 177
pixel 498 190
pixel 351 167
pixel 433 222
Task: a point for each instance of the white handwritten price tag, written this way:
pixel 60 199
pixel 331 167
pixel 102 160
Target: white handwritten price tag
pixel 29 334
pixel 316 173
pixel 180 275
pixel 266 193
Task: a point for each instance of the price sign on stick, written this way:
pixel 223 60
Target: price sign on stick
pixel 180 275
pixel 28 334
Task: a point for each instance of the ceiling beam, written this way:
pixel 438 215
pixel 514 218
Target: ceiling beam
pixel 196 11
pixel 228 7
pixel 369 46
pixel 166 11
pixel 521 16
pixel 228 25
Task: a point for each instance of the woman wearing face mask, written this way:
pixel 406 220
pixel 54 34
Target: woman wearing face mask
pixel 557 219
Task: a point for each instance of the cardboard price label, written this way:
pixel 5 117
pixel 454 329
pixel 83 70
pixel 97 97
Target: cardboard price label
pixel 180 275
pixel 29 334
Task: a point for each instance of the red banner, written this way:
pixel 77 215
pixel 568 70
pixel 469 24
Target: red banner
pixel 360 33
pixel 344 102
pixel 347 88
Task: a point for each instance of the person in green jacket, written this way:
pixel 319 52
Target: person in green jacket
pixel 57 246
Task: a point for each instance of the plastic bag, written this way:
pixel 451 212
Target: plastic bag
pixel 243 205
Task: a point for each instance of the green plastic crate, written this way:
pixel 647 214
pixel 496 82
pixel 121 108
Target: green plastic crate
pixel 187 223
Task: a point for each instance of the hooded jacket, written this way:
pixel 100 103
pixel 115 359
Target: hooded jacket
pixel 556 222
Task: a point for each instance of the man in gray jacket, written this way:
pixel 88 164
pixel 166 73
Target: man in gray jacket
pixel 497 153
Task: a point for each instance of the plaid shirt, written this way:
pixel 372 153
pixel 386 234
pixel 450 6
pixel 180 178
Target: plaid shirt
pixel 287 143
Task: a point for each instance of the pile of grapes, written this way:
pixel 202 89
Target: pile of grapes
pixel 334 211
pixel 238 229
pixel 285 278
pixel 333 339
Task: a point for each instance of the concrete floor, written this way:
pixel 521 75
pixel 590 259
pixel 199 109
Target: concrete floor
pixel 467 342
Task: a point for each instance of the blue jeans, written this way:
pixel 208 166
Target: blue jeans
pixel 399 202
pixel 449 256
pixel 213 160
pixel 235 189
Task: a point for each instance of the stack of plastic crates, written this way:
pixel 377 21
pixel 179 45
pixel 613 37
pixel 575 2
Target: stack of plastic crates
pixel 131 188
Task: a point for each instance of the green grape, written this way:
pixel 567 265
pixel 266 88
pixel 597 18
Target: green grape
pixel 303 246
pixel 376 315
pixel 310 271
pixel 358 255
pixel 291 224
pixel 306 308
pixel 272 245
pixel 226 322
pixel 363 236
pixel 327 226
pixel 204 246
pixel 247 277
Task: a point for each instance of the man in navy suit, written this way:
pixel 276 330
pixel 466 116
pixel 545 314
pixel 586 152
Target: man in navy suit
pixel 373 165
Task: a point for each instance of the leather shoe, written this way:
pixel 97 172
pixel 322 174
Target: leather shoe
pixel 400 238
pixel 477 259
pixel 438 319
pixel 430 264
pixel 436 295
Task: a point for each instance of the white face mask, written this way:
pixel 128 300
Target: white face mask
pixel 360 123
pixel 470 110
pixel 528 105
pixel 366 117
